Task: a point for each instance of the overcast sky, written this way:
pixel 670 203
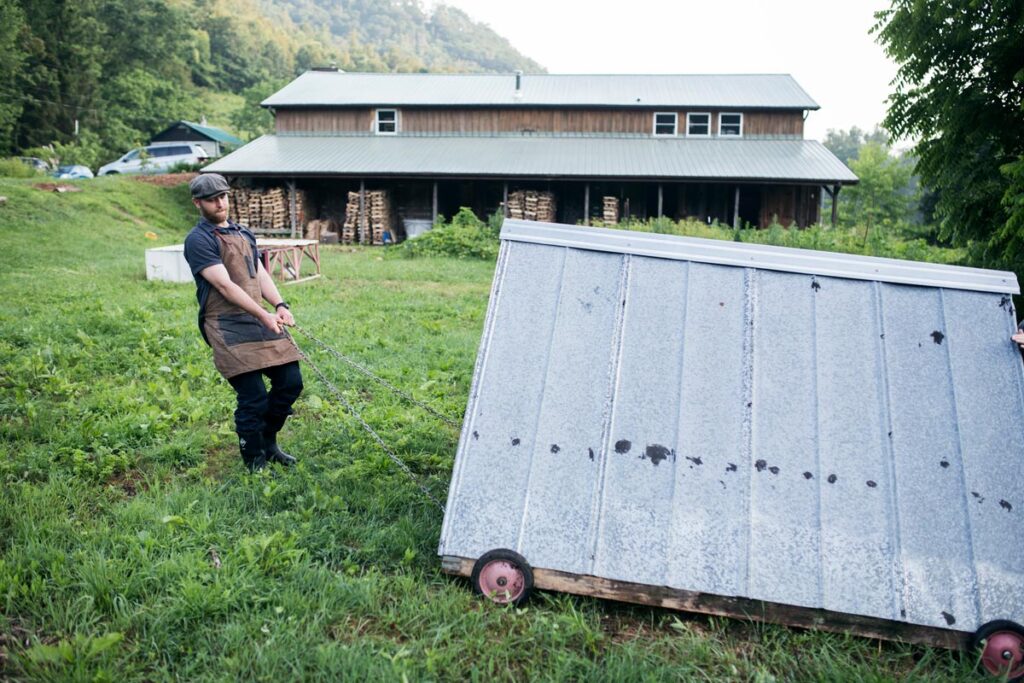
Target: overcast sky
pixel 823 44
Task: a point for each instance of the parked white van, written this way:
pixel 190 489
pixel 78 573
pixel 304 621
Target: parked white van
pixel 157 158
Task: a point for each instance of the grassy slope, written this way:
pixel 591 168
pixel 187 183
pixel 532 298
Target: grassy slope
pixel 121 491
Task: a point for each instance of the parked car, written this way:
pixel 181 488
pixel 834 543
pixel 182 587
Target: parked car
pixel 72 172
pixel 158 158
pixel 36 163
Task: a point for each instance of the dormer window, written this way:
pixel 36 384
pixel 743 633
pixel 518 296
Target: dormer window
pixel 730 125
pixel 665 123
pixel 698 125
pixel 387 121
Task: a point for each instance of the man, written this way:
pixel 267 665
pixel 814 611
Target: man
pixel 247 340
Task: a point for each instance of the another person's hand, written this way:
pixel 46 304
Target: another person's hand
pixel 1019 337
pixel 284 317
pixel 271 322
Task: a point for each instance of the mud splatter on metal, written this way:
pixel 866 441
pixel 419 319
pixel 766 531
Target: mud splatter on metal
pixel 657 453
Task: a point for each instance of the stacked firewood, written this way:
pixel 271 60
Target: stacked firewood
pixel 532 205
pixel 610 210
pixel 370 221
pixel 266 211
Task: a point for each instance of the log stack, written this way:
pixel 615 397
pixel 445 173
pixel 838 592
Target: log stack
pixel 354 228
pixel 382 223
pixel 267 212
pixel 375 224
pixel 610 210
pixel 532 205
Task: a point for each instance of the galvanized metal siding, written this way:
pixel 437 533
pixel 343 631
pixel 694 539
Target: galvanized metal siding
pixel 814 441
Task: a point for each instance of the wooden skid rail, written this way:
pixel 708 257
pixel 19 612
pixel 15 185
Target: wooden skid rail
pixel 738 608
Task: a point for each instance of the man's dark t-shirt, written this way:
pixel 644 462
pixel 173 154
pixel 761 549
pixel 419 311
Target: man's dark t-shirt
pixel 202 250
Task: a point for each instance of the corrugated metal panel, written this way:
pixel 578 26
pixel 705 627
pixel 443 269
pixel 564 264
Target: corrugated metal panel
pixel 823 442
pixel 795 160
pixel 762 91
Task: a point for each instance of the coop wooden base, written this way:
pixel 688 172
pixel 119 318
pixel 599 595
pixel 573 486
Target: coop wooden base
pixel 739 608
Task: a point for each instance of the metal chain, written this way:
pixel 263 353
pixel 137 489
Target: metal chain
pixel 370 430
pixel 380 380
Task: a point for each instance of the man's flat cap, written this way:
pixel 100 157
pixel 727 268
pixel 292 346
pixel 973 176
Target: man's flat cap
pixel 206 185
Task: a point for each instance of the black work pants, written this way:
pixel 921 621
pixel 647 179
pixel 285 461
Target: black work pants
pixel 257 406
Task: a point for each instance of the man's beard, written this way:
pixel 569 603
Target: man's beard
pixel 216 217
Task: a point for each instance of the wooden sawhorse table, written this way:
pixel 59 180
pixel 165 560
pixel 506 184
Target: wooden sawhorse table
pixel 282 258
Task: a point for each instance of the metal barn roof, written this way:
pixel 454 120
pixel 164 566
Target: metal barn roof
pixel 741 91
pixel 809 429
pixel 210 132
pixel 509 156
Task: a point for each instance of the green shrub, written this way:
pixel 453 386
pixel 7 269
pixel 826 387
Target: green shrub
pixel 465 237
pixel 13 168
pixel 892 242
pixel 186 167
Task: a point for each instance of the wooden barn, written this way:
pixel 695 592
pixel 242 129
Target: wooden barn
pixel 591 149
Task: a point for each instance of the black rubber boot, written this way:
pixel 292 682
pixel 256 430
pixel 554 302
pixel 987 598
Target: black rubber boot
pixel 253 454
pixel 272 425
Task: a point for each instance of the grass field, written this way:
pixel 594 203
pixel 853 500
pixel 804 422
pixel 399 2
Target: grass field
pixel 133 547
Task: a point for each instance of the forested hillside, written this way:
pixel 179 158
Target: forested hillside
pixel 124 69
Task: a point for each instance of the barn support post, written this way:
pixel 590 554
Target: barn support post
pixel 586 203
pixel 661 200
pixel 362 220
pixel 821 203
pixel 835 203
pixel 736 209
pixel 433 205
pixel 504 199
pixel 292 210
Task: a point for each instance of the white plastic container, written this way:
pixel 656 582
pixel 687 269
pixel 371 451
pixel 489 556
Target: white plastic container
pixel 168 264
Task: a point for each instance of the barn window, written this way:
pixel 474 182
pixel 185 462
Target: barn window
pixel 730 124
pixel 698 125
pixel 665 123
pixel 387 121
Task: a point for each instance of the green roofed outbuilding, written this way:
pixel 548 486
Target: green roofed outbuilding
pixel 215 141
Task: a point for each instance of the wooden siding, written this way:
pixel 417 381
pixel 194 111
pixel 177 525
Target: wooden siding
pixel 527 120
pixel 480 121
pixel 772 123
pixel 324 120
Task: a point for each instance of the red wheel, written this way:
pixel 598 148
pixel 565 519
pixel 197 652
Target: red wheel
pixel 1002 649
pixel 503 576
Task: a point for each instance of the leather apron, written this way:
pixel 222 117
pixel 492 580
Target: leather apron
pixel 240 342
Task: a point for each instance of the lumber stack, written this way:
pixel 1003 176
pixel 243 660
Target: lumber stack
pixel 354 228
pixel 266 211
pixel 532 205
pixel 382 222
pixel 610 210
pixel 369 221
pixel 321 229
